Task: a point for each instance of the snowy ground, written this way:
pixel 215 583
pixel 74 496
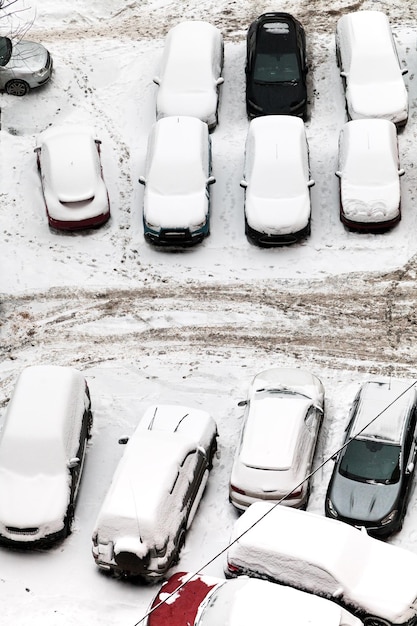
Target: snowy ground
pixel 150 326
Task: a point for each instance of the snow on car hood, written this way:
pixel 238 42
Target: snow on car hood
pixel 388 101
pixel 371 203
pixel 278 215
pixel 28 55
pixel 175 211
pixel 33 501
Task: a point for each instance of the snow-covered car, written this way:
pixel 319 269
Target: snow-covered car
pixel 372 579
pixel 24 65
pixel 369 173
pixel 372 477
pixel 190 72
pixel 74 191
pixel 155 492
pixel 284 411
pixel 277 181
pixel 276 66
pixel 243 601
pixel 372 77
pixel 176 200
pixel 42 451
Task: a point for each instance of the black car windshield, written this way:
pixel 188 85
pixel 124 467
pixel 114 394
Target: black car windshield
pixel 276 58
pixel 366 460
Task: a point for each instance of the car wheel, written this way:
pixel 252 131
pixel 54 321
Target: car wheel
pixel 17 87
pixel 212 452
pixel 180 545
pixel 69 519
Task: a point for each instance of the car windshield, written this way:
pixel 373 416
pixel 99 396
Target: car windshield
pixel 276 61
pixel 369 460
pixel 219 604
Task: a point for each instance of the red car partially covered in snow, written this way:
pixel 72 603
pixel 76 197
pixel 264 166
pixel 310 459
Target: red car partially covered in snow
pixel 187 600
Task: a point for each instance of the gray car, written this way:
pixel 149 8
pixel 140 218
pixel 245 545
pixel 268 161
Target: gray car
pixel 372 476
pixel 23 65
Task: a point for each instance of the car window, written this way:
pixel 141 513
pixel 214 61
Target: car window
pixel 371 461
pixel 5 51
pixel 311 418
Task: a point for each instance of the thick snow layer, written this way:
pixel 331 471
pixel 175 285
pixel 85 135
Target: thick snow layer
pixel 193 327
pixel 329 563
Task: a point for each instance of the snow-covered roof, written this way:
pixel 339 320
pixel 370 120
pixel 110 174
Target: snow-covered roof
pixel 384 399
pixel 247 601
pixel 137 502
pixel 70 154
pixel 177 155
pixel 320 554
pixel 43 418
pixel 277 157
pixel 191 53
pixel 273 430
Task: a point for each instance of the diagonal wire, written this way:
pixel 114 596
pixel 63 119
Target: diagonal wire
pixel 312 473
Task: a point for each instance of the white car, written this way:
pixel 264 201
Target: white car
pixel 42 451
pixel 372 579
pixel 24 65
pixel 155 492
pixel 69 164
pixel 370 69
pixel 279 435
pixel 369 173
pixel 210 601
pixel 277 181
pixel 190 72
pixel 176 201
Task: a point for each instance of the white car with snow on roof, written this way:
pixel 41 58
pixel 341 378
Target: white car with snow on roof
pixel 42 450
pixel 210 601
pixel 374 580
pixel 277 181
pixel 155 492
pixel 190 72
pixel 367 56
pixel 284 412
pixel 369 173
pixel 176 200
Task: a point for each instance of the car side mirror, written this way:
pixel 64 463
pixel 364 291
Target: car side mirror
pixel 123 440
pixel 311 183
pixel 338 174
pixel 401 172
pixel 219 81
pixel 242 403
pixel 37 149
pixel 211 180
pixel 410 468
pixel 74 462
pixel 404 70
pixel 338 593
pixel 243 184
pixel 156 80
pixel 343 74
pixel 142 180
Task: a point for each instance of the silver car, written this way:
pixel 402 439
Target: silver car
pixel 24 65
pixel 279 435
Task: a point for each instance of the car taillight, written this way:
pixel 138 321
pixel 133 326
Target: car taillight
pixel 297 493
pixel 237 490
pixel 233 568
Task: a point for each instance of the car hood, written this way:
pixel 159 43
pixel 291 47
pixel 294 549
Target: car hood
pixel 28 55
pixel 32 501
pixel 276 98
pixel 277 215
pixel 363 502
pixel 175 211
pixel 389 101
pixel 370 202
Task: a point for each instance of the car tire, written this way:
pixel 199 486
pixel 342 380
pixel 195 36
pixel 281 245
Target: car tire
pixel 17 87
pixel 68 520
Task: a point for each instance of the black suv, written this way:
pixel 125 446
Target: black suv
pixel 276 66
